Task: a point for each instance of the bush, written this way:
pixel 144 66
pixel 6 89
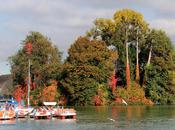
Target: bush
pixel 132 95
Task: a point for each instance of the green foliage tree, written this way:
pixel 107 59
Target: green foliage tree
pixel 125 31
pixel 89 63
pixel 45 61
pixel 159 67
pixel 147 53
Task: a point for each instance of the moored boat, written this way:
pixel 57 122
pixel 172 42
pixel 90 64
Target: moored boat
pixel 32 113
pixel 7 114
pixel 42 113
pixel 66 113
pixel 22 112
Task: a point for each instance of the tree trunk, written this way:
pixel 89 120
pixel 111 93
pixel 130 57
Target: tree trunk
pixel 137 62
pixel 113 82
pixel 148 63
pixel 149 57
pixel 127 62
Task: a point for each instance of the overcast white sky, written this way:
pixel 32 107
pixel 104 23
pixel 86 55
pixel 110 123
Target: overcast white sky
pixel 64 20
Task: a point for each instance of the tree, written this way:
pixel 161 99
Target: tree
pixel 45 59
pixel 158 67
pixel 101 96
pixel 18 93
pixel 50 93
pixel 89 63
pixel 145 54
pixel 126 30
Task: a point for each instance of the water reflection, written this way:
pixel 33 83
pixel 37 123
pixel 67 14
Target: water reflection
pixel 8 122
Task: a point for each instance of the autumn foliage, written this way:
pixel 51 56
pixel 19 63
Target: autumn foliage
pixel 18 93
pixel 28 47
pixel 101 96
pixel 137 73
pixel 87 72
pixel 128 79
pixel 132 95
pixel 113 82
pixel 49 93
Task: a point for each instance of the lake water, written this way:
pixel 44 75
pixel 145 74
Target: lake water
pixel 104 118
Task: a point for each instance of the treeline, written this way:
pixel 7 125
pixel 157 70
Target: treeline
pixel 119 58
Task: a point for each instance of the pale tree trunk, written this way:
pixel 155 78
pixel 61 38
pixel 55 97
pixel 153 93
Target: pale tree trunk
pixel 148 63
pixel 149 57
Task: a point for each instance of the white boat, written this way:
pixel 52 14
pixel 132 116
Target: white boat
pixel 22 112
pixel 42 113
pixel 32 114
pixel 66 113
pixel 50 107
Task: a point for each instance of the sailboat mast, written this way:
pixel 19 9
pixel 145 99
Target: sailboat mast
pixel 29 82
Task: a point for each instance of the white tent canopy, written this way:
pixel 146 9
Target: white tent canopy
pixel 49 103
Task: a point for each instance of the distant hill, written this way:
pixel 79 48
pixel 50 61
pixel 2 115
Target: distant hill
pixel 6 84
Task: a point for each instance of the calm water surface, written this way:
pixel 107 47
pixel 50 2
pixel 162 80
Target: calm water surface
pixel 104 118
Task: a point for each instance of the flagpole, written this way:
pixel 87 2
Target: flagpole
pixel 29 82
pixel 28 47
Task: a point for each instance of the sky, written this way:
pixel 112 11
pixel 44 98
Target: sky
pixel 65 20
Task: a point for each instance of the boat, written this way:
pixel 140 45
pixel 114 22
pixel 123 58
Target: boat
pixel 7 114
pixel 42 113
pixel 60 111
pixel 51 107
pixel 66 113
pixel 32 113
pixel 22 112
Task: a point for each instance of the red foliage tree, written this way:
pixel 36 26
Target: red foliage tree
pixel 137 73
pixel 113 82
pixel 18 93
pixel 28 47
pixel 128 79
pixel 49 93
pixel 97 101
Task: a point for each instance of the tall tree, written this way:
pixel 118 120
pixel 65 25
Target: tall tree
pixel 89 63
pixel 158 71
pixel 126 30
pixel 128 24
pixel 45 61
